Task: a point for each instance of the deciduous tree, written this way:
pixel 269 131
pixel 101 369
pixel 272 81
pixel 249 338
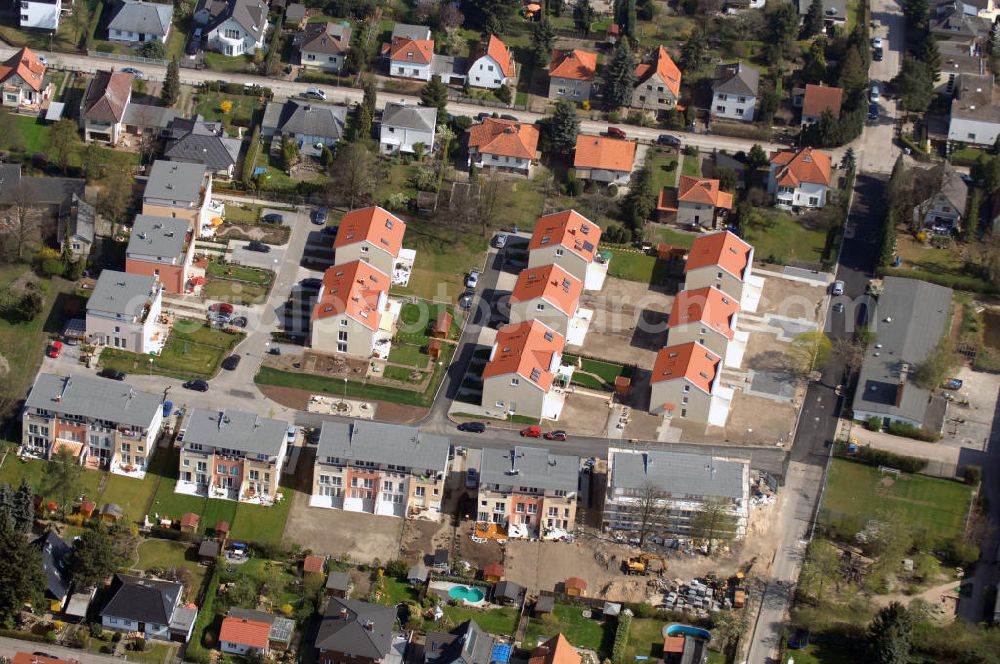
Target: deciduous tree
pixel 93 558
pixel 937 366
pixel 812 24
pixel 914 84
pixel 63 142
pixel 62 478
pixel 640 200
pixel 647 511
pixel 355 167
pixel 713 520
pixel 810 351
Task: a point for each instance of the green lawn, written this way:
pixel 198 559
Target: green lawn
pixel 66 38
pixel 323 384
pixel 34 134
pixel 784 239
pixel 243 213
pixel 165 554
pixel 635 266
pixel 242 64
pixel 14 469
pixel 209 104
pixel 501 621
pixel 130 494
pixel 258 523
pixel 645 639
pixel 579 631
pixel 656 233
pixel 663 168
pixel 193 350
pixel 240 272
pixel 823 653
pixel 233 292
pixel 606 371
pixel 857 493
pixel 692 165
pixel 408 354
pixel 23 343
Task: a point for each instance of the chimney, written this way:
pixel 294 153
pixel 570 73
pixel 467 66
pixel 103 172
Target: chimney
pixel 369 626
pixel 343 613
pixel 904 370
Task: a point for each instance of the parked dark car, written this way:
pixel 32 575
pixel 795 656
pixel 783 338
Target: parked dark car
pixel 257 245
pixel 483 116
pixel 113 374
pixel 668 140
pixel 273 218
pixel 319 216
pixel 878 55
pixel 196 385
pixel 239 321
pixel 313 283
pixel 559 434
pixel 465 301
pixel 231 362
pixel 873 111
pixel 330 230
pixel 472 427
pixel 615 132
pixel 509 117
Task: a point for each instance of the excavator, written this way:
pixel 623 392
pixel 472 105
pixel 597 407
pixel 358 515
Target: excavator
pixel 644 563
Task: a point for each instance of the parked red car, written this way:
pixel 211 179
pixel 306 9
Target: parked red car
pixel 222 308
pixel 531 432
pixel 54 349
pixel 558 434
pixel 615 132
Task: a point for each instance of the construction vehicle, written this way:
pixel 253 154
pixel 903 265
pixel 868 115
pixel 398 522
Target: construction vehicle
pixel 644 564
pixel 739 590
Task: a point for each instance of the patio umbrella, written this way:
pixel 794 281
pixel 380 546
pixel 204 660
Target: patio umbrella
pixel 217 221
pixel 534 7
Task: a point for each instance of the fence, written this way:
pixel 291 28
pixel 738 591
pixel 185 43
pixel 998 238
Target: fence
pixel 124 57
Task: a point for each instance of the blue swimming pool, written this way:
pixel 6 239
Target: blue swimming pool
pixel 467 593
pixel 686 630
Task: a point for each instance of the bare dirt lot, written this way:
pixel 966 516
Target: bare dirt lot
pixel 629 324
pixel 793 299
pixel 587 414
pixel 362 537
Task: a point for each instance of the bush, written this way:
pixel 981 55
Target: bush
pixel 621 638
pixel 105 48
pixel 873 457
pixel 874 424
pixel 972 474
pixel 503 94
pixel 397 569
pixel 961 553
pixel 910 431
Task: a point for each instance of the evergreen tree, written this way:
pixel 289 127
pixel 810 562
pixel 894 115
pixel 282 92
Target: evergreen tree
pixel 171 84
pixel 564 127
pixel 583 16
pixel 757 157
pixel 621 77
pixel 694 51
pixel 543 39
pixel 640 200
pixel 995 39
pixel 812 24
pixel 6 500
pixel 23 508
pixel 362 122
pixel 814 69
pixel 92 559
pixel 915 85
pixel 435 93
pixel 853 74
pixel 357 56
pixel 917 14
pixel 930 55
pixel 492 16
pixel 21 576
pixel 890 634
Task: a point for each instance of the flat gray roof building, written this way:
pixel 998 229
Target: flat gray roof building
pixel 678 474
pixel 531 467
pixel 94 398
pixel 908 320
pixel 121 293
pixel 382 443
pixel 235 430
pixel 159 239
pixel 175 181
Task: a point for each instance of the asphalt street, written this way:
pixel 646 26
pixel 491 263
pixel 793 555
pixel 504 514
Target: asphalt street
pixel 817 427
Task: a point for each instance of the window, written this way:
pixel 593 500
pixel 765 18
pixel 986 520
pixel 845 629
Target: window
pixel 387 486
pixel 739 111
pixel 255 475
pixel 540 307
pixel 232 33
pixel 187 463
pixel 234 471
pixel 813 201
pixel 684 412
pixel 343 322
pixel 515 381
pixel 420 492
pixel 559 252
pixel 342 335
pixel 341 347
pixel 684 401
pixel 720 109
pixel 559 493
pixel 741 100
pixel 520 507
pixel 553 511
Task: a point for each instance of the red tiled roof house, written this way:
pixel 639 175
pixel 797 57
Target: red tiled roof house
pixel 721 260
pixel 410 52
pixel 521 372
pixel 240 636
pixel 695 201
pixel 603 159
pixel 708 316
pixel 658 83
pixel 503 144
pixel 352 312
pixel 103 107
pixel 372 235
pixel 548 294
pixel 22 76
pixel 819 99
pixel 571 75
pixel 491 65
pixel 685 385
pixel 567 239
pixel 799 178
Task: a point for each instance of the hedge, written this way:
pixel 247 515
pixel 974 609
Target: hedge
pixel 621 638
pixel 95 20
pixel 250 158
pixel 873 457
pixel 910 431
pixel 955 281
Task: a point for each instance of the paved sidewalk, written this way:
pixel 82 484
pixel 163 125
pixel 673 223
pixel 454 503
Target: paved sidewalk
pixel 940 452
pixel 9 647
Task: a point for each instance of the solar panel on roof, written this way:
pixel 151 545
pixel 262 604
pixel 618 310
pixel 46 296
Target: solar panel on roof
pixel 501 653
pixel 588 246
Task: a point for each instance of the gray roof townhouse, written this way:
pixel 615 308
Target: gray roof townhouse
pixel 312 126
pixel 139 21
pixel 908 321
pixel 195 141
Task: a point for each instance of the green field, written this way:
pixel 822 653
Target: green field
pixel 193 350
pixel 502 621
pixel 569 621
pixel 635 266
pixel 785 239
pixel 209 104
pixel 234 292
pixel 408 354
pixel 164 554
pixel 605 371
pixel 692 166
pixel 663 169
pixel 657 233
pixel 856 493
pixel 645 639
pixel 130 494
pixel 23 343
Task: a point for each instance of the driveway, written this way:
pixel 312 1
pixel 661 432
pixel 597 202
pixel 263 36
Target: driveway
pixel 877 150
pixel 239 254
